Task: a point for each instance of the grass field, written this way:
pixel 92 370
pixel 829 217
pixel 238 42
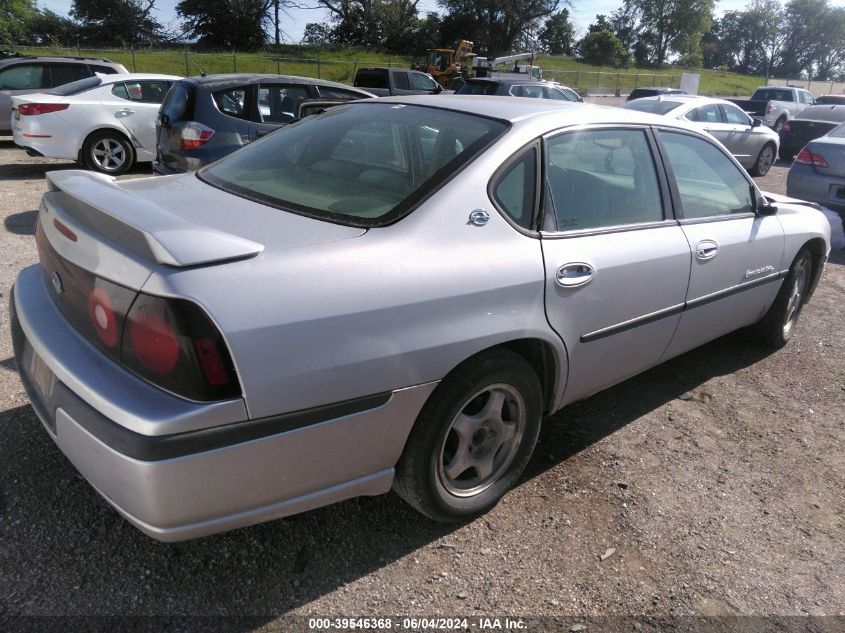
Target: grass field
pixel 340 65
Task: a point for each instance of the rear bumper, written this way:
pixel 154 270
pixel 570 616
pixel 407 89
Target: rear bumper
pixel 184 485
pixel 807 183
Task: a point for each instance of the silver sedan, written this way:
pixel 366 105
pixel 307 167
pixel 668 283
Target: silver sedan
pixel 753 144
pixel 394 293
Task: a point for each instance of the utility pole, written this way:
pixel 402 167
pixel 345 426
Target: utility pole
pixel 276 21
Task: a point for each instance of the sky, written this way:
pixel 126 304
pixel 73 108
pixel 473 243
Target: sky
pixel 583 14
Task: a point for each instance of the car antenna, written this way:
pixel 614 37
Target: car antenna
pixel 202 72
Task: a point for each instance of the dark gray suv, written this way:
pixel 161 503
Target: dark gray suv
pixel 203 119
pixel 39 73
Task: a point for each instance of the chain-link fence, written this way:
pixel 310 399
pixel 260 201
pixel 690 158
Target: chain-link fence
pixel 817 88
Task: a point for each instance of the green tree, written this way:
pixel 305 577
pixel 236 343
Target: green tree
pixel 117 22
pixel 493 25
pixel 672 24
pixel 558 34
pixel 15 15
pixel 375 24
pixel 603 48
pixel 49 28
pixel 317 33
pixel 226 23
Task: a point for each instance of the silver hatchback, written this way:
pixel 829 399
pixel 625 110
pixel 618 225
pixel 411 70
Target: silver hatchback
pixel 391 294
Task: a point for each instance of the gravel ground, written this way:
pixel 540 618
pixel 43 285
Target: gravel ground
pixel 711 485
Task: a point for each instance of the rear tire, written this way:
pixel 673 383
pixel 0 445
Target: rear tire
pixel 765 160
pixel 108 152
pixel 473 438
pixel 778 326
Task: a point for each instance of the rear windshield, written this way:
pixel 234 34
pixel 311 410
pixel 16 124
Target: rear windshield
pixel 371 79
pixel 477 88
pixel 838 131
pixel 655 106
pixel 772 94
pixel 358 164
pixel 75 87
pixel 178 102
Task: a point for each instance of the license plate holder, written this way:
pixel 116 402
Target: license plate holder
pixel 42 376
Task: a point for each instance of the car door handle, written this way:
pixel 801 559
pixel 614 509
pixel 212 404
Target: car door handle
pixel 706 249
pixel 574 275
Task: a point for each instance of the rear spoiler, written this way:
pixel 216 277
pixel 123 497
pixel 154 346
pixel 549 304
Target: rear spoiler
pixel 140 226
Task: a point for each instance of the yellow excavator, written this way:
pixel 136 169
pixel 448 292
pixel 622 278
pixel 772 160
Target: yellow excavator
pixel 446 64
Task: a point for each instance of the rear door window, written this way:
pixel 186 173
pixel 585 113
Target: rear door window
pixel 602 178
pixel 706 114
pixel 400 81
pixel 232 101
pixel 280 103
pixel 527 90
pixel 61 74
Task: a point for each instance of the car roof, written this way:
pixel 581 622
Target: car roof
pixel 504 80
pixel 518 109
pixel 684 99
pixel 659 89
pixel 234 79
pixel 53 58
pixel 111 79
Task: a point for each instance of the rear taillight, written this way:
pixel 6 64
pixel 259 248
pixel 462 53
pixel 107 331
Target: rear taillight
pixel 195 135
pixel 806 157
pixel 31 109
pixel 173 344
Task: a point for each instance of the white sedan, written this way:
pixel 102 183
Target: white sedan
pixel 753 144
pixel 107 123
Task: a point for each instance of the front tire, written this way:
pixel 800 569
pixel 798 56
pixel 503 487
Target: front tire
pixel 779 125
pixel 473 438
pixel 765 160
pixel 108 152
pixel 778 326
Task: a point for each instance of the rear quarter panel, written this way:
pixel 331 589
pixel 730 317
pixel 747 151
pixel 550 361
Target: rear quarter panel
pixel 399 306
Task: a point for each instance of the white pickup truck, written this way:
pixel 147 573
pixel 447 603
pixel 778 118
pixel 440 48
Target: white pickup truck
pixel 775 105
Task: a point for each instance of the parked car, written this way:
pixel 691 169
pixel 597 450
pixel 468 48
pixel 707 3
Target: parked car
pixel 205 118
pixel 37 73
pixel 810 124
pixel 752 144
pixel 640 93
pixel 518 87
pixel 818 173
pixel 106 123
pixel 384 82
pixel 775 105
pixel 328 312
pixel 831 100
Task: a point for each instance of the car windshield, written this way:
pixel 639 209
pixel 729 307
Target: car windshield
pixel 359 164
pixel 655 106
pixel 75 87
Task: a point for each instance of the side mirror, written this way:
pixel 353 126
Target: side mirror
pixel 762 207
pixel 438 89
pixel 756 123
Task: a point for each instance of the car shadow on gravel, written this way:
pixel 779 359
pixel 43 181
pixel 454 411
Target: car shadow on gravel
pixel 22 223
pixel 66 551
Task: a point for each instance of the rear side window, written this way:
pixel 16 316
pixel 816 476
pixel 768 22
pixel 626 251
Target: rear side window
pixel 232 101
pixel 400 81
pixel 516 190
pixel 362 165
pixel 280 104
pixel 477 88
pixel 709 183
pixel 179 102
pixel 24 77
pixel 602 178
pixel 142 91
pixel 61 74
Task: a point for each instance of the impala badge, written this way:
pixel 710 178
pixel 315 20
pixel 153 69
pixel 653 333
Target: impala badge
pixel 57 284
pixel 759 271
